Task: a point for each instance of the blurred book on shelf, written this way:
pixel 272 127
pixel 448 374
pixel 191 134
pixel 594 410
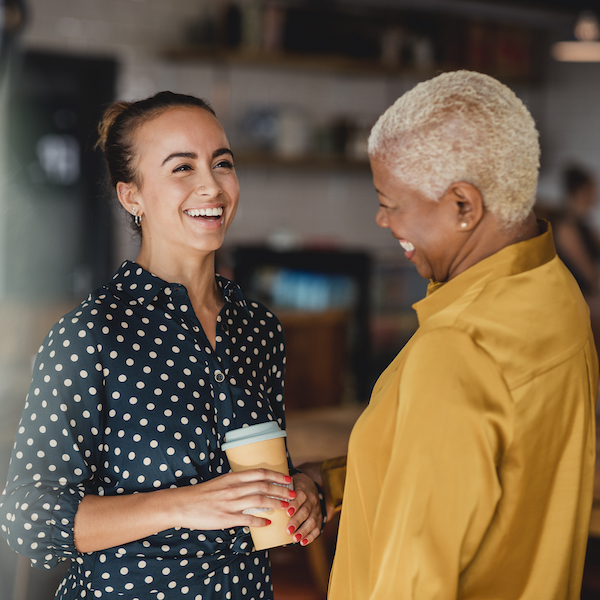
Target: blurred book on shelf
pixel 392 39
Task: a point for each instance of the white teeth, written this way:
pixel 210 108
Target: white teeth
pixel 406 245
pixel 205 212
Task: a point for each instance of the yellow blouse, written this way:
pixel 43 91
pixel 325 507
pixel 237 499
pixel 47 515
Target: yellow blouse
pixel 470 474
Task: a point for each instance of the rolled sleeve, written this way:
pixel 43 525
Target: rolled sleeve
pixel 57 446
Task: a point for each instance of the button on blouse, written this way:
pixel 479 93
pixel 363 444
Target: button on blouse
pixel 128 396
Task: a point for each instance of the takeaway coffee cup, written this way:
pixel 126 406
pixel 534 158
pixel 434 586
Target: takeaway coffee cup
pixel 255 447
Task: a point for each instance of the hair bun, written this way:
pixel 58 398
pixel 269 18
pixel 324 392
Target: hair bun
pixel 108 118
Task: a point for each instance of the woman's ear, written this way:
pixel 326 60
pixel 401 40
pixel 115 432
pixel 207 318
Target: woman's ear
pixel 468 205
pixel 127 195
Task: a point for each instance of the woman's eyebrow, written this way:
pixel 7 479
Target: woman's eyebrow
pixel 380 192
pixel 179 155
pixel 194 156
pixel 222 151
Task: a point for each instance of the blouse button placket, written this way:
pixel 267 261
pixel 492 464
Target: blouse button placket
pixel 214 363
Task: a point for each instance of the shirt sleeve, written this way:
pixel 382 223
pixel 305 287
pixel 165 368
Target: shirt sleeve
pixel 441 486
pixel 57 446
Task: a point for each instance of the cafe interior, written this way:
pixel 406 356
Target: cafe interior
pixel 297 85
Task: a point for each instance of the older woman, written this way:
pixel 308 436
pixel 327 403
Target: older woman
pixel 118 462
pixel 470 473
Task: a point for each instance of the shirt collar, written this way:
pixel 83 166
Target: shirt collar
pixel 512 260
pixel 232 292
pixel 144 288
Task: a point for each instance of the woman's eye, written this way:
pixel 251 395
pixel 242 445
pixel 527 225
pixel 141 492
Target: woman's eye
pixel 224 164
pixel 182 168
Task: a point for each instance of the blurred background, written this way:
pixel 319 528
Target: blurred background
pixel 297 85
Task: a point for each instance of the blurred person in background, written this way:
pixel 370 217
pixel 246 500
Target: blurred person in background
pixel 577 243
pixel 470 474
pixel 117 463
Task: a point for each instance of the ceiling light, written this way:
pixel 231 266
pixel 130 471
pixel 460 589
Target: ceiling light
pixel 586 48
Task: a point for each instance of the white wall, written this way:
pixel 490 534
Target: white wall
pixel 135 31
pixel 339 206
pixel 314 203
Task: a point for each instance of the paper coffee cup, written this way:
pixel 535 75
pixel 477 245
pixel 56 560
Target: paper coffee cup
pixel 261 446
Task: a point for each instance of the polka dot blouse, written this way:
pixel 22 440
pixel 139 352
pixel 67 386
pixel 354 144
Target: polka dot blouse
pixel 128 395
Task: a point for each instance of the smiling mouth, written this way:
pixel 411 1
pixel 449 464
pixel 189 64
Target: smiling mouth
pixel 205 213
pixel 406 245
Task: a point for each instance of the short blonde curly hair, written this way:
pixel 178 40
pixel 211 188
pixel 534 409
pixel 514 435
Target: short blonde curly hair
pixel 463 126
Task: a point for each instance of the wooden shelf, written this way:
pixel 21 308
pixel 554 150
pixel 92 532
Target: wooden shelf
pixel 258 158
pixel 314 63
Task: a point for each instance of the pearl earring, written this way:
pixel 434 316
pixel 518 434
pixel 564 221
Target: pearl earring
pixel 463 225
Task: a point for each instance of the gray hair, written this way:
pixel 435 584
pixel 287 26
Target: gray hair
pixel 463 126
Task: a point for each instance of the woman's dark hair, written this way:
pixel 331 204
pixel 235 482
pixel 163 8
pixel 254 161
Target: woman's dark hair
pixel 574 178
pixel 121 120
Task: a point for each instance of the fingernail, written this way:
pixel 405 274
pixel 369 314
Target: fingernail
pixel 288 479
pixel 285 504
pixel 291 511
pixel 268 522
pixel 304 542
pixel 297 537
pixel 292 494
pixel 290 530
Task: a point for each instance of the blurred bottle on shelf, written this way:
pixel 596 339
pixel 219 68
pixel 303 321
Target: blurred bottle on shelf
pixel 293 133
pixel 252 24
pixel 273 24
pixel 392 40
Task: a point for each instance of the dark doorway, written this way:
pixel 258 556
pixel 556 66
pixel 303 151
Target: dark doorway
pixel 59 239
pixel 56 236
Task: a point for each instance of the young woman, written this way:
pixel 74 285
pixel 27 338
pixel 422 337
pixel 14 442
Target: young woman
pixel 117 463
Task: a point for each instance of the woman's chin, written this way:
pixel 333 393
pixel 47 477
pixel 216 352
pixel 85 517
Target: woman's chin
pixel 424 270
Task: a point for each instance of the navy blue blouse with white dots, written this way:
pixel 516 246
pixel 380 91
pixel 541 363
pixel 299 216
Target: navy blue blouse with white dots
pixel 128 396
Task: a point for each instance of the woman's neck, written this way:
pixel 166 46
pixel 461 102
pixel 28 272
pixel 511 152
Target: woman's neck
pixel 491 237
pixel 196 273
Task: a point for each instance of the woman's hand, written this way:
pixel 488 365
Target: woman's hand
pixel 102 522
pixel 313 470
pixel 219 503
pixel 305 511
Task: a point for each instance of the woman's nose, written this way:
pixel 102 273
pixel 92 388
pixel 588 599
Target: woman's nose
pixel 381 218
pixel 208 186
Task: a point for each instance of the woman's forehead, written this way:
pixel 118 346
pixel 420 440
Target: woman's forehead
pixel 181 129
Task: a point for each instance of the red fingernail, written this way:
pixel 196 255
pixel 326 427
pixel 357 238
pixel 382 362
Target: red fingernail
pixel 288 479
pixel 268 522
pixel 291 511
pixel 304 542
pixel 297 537
pixel 292 494
pixel 290 530
pixel 285 504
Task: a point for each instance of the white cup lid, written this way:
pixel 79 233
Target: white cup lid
pixel 260 432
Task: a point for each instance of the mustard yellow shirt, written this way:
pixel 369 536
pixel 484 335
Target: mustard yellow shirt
pixel 470 474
